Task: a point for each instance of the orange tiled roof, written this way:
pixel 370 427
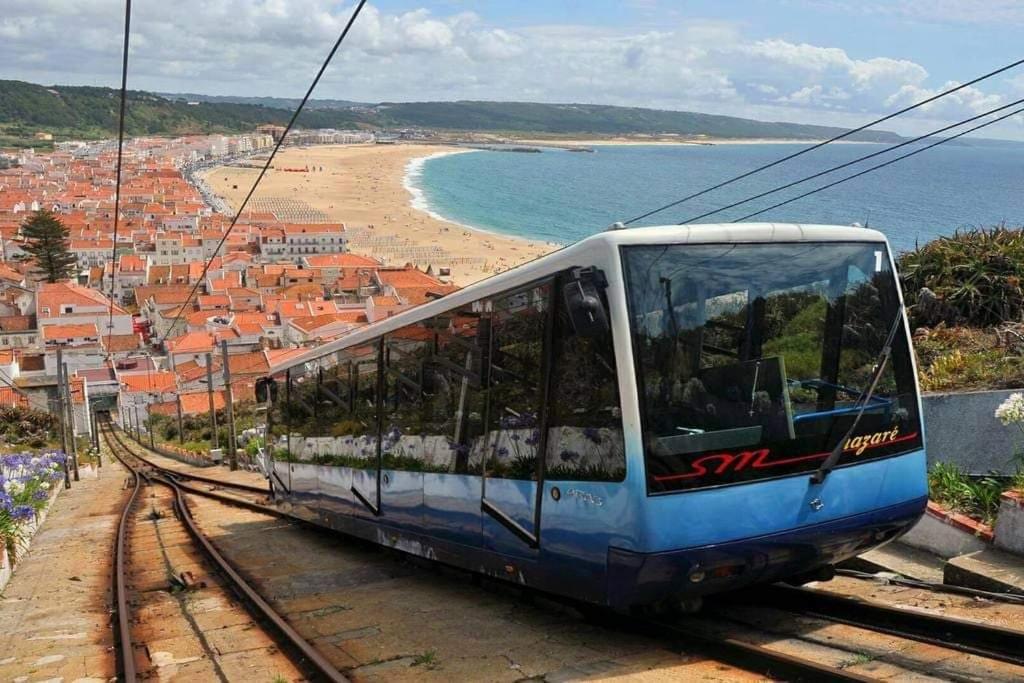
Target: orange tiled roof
pixel 70 331
pixel 154 382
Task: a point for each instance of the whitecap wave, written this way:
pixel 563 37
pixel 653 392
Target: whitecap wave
pixel 411 182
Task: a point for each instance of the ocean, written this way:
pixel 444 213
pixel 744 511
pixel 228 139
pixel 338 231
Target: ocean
pixel 562 196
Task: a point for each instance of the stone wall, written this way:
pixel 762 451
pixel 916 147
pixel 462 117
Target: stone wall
pixel 962 428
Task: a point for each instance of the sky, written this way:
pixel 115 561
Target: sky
pixel 834 62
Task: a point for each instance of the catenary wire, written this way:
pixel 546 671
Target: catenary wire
pixel 120 153
pixel 882 165
pixel 266 166
pixel 815 146
pixel 852 162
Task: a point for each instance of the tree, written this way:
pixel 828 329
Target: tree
pixel 46 239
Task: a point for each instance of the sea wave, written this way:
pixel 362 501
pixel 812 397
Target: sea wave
pixel 414 176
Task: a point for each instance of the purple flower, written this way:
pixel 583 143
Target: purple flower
pixel 502 452
pixel 533 439
pixel 40 495
pixel 593 434
pixel 569 456
pixel 22 512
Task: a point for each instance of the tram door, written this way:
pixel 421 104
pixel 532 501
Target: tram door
pixel 519 325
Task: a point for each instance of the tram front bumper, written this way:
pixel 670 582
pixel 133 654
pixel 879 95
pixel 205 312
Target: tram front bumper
pixel 646 578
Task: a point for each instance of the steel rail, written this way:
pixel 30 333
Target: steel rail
pixel 188 475
pixel 242 587
pixel 985 640
pixel 124 634
pixel 745 655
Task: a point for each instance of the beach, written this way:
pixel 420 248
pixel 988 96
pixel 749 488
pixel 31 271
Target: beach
pixel 364 187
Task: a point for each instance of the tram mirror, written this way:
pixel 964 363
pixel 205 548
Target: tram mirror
pixel 583 301
pixel 266 390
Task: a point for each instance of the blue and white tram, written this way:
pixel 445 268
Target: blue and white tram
pixel 648 415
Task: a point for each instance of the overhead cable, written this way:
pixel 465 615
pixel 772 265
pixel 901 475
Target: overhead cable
pixel 882 165
pixel 852 162
pixel 818 145
pixel 266 166
pixel 120 152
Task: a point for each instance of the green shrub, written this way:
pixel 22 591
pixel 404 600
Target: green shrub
pixel 955 489
pixel 976 277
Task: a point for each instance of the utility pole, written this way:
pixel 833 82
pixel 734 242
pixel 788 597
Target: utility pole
pixel 71 420
pixel 60 415
pixel 209 393
pixel 94 422
pixel 181 424
pixel 60 399
pixel 229 400
pixel 138 425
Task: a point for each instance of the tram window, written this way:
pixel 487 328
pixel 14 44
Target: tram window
pixel 752 359
pixel 277 421
pixel 351 391
pixel 454 401
pixel 517 346
pixel 301 412
pixel 585 439
pixel 405 433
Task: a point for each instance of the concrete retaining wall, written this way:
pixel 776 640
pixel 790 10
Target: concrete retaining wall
pixel 1010 523
pixel 962 428
pixel 941 538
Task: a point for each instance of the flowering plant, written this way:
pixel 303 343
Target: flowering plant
pixel 25 482
pixel 1011 411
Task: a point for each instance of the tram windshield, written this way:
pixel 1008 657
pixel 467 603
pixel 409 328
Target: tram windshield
pixel 751 359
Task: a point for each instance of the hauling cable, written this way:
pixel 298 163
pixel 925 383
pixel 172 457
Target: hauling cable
pixel 836 138
pixel 266 166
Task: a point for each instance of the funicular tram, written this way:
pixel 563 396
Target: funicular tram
pixel 648 415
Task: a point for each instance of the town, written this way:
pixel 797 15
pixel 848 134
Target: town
pixel 161 315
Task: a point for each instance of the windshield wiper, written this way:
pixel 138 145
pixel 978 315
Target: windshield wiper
pixel 865 396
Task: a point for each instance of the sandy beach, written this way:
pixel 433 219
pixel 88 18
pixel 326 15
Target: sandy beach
pixel 362 186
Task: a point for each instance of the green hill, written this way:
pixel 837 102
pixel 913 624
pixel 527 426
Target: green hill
pixel 91 112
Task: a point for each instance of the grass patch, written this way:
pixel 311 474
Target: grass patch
pixel 861 658
pixel 427 659
pixel 977 497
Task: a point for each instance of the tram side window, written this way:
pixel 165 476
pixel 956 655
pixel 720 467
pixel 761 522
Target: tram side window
pixel 454 399
pixel 355 433
pixel 585 441
pixel 277 421
pixel 301 412
pixel 405 435
pixel 517 349
pixel 334 406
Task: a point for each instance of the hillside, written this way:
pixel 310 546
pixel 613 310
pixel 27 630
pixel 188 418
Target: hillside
pixel 74 111
pixel 91 112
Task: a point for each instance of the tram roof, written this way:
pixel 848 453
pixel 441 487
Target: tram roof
pixel 741 232
pixel 701 233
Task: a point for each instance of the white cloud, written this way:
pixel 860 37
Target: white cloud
pixel 273 47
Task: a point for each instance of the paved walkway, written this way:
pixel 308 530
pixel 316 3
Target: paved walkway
pixel 55 612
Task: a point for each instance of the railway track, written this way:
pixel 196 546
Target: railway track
pixel 756 645
pixel 137 575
